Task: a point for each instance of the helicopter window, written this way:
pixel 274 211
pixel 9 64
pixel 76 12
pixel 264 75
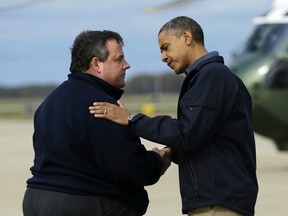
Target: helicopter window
pixel 264 37
pixel 277 76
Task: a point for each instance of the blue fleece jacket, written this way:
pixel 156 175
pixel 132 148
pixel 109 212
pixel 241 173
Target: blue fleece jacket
pixel 212 138
pixel 77 153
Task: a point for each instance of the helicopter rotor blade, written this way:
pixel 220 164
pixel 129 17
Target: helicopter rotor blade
pixel 20 5
pixel 169 5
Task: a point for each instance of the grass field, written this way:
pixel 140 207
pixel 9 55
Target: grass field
pixel 18 107
pixel 145 103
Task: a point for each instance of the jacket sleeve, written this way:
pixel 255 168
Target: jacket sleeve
pixel 121 155
pixel 201 111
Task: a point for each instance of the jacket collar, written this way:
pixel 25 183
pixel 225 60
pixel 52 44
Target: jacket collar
pixel 194 68
pixel 195 64
pixel 114 92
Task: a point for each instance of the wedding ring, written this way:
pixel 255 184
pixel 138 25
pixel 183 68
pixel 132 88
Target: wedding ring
pixel 105 111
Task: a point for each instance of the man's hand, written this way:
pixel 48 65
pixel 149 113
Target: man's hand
pixel 166 154
pixel 118 114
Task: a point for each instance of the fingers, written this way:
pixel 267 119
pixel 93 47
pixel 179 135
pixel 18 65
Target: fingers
pixel 99 108
pixel 166 153
pixel 167 163
pixel 101 104
pixel 157 151
pixel 111 112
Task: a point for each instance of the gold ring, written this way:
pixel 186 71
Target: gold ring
pixel 105 111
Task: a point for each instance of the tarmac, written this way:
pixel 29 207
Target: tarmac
pixel 16 157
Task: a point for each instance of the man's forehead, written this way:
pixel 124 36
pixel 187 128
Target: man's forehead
pixel 112 41
pixel 164 36
pixel 164 33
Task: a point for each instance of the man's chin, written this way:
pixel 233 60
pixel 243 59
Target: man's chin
pixel 179 71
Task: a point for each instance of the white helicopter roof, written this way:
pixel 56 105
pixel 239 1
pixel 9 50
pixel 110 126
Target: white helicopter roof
pixel 278 13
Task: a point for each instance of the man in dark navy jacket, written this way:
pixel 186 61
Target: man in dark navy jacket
pixel 212 137
pixel 83 165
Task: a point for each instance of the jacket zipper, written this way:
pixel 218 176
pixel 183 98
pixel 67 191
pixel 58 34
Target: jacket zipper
pixel 194 179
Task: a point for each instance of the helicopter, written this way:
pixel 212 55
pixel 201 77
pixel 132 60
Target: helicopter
pixel 261 61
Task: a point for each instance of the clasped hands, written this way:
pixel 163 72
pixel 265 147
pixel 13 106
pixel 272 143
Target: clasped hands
pixel 166 154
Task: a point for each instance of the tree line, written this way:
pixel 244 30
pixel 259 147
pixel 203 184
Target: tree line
pixel 142 84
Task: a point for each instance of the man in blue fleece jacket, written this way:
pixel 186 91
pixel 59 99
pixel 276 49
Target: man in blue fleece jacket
pixel 83 165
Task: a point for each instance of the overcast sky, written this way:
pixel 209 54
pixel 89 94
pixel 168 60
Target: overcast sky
pixel 35 40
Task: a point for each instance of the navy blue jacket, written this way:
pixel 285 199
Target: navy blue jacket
pixel 77 153
pixel 213 137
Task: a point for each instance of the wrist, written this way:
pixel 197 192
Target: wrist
pixel 130 118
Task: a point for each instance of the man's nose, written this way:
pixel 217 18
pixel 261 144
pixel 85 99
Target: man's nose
pixel 126 65
pixel 164 57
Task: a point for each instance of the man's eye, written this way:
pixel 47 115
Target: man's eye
pixel 121 58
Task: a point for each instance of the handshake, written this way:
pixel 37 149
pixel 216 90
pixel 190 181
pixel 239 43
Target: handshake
pixel 166 154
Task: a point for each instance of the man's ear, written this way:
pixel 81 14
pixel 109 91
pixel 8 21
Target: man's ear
pixel 188 37
pixel 95 64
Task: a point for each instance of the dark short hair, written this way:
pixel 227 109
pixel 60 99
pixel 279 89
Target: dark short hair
pixel 180 24
pixel 89 44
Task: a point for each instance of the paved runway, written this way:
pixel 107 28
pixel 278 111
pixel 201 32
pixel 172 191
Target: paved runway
pixel 16 157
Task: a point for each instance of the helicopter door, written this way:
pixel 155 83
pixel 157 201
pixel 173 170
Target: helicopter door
pixel 277 76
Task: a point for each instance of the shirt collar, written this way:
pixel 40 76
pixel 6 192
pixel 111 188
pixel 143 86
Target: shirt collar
pixel 200 60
